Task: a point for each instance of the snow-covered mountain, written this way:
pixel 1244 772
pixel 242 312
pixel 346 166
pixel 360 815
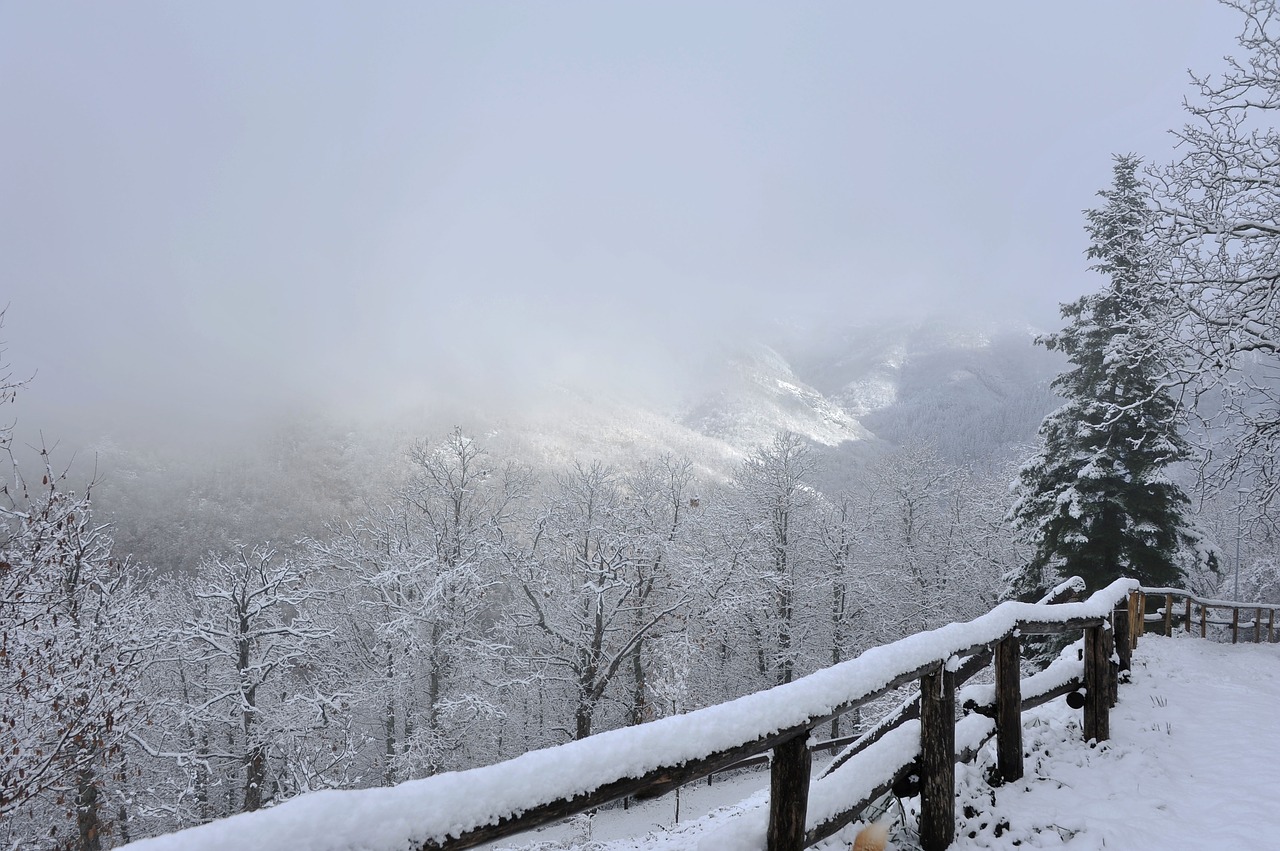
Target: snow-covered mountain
pixel 973 393
pixel 762 395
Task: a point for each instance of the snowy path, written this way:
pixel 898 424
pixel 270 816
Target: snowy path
pixel 1192 763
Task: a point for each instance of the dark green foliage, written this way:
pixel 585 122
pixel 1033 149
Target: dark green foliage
pixel 1097 501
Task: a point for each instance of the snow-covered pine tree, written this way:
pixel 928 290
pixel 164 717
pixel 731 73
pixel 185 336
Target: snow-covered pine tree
pixel 1097 499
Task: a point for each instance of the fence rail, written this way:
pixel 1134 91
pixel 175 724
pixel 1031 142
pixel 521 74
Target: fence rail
pixel 1164 614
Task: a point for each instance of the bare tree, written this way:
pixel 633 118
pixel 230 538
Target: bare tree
pixel 773 501
pixel 1219 308
pixel 70 657
pixel 584 601
pixel 254 703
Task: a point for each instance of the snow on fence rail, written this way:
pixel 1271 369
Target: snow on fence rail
pixel 1164 614
pixel 467 808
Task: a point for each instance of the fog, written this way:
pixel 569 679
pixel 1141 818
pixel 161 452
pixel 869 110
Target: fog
pixel 209 212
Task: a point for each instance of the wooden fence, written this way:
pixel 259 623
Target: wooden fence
pixel 937 741
pixel 912 750
pixel 1196 611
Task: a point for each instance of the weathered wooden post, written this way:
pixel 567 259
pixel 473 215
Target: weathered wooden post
pixel 1097 721
pixel 1257 626
pixel 1235 624
pixel 1009 708
pixel 937 760
pixel 1122 632
pixel 1113 668
pixel 1204 620
pixel 1188 615
pixel 1168 615
pixel 1135 619
pixel 789 794
pixel 1271 627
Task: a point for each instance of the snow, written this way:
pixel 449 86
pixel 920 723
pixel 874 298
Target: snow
pixel 434 808
pixel 1192 739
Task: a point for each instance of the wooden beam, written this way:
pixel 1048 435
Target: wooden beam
pixel 1009 709
pixel 1235 624
pixel 1203 618
pixel 1139 622
pixel 665 778
pixel 937 760
pixel 856 809
pixel 1168 614
pixel 1113 667
pixel 789 794
pixel 1257 626
pixel 1188 616
pixel 1122 633
pixel 909 710
pixel 838 821
pixel 1054 627
pixel 1097 726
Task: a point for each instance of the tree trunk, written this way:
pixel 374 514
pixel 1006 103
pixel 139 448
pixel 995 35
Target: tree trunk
pixel 255 777
pixel 88 824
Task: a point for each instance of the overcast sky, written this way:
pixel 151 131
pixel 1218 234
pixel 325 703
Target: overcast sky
pixel 207 206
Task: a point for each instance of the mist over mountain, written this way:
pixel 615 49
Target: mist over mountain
pixel 972 393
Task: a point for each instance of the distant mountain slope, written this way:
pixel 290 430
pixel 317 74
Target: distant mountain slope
pixel 762 395
pixel 973 392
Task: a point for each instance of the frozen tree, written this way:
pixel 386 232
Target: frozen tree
pixel 584 599
pixel 659 495
pixel 69 662
pixel 843 533
pixel 772 505
pixel 252 715
pixel 421 597
pixel 934 524
pixel 1097 500
pixel 1219 299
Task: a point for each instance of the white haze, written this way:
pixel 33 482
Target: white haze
pixel 209 212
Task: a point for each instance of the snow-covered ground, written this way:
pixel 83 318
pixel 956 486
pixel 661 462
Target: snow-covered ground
pixel 1194 750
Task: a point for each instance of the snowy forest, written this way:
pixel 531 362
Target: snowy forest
pixel 188 635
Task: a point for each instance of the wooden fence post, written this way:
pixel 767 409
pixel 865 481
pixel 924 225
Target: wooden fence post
pixel 1135 619
pixel 1097 722
pixel 1122 632
pixel 1113 668
pixel 1257 626
pixel 1235 624
pixel 937 760
pixel 1168 614
pixel 1271 627
pixel 1204 620
pixel 789 794
pixel 1188 616
pixel 1009 708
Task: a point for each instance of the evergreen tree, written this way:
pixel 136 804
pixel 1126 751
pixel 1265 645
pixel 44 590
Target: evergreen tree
pixel 1097 501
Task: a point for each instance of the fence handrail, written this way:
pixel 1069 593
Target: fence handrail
pixel 466 808
pixel 1165 614
pixel 1209 601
